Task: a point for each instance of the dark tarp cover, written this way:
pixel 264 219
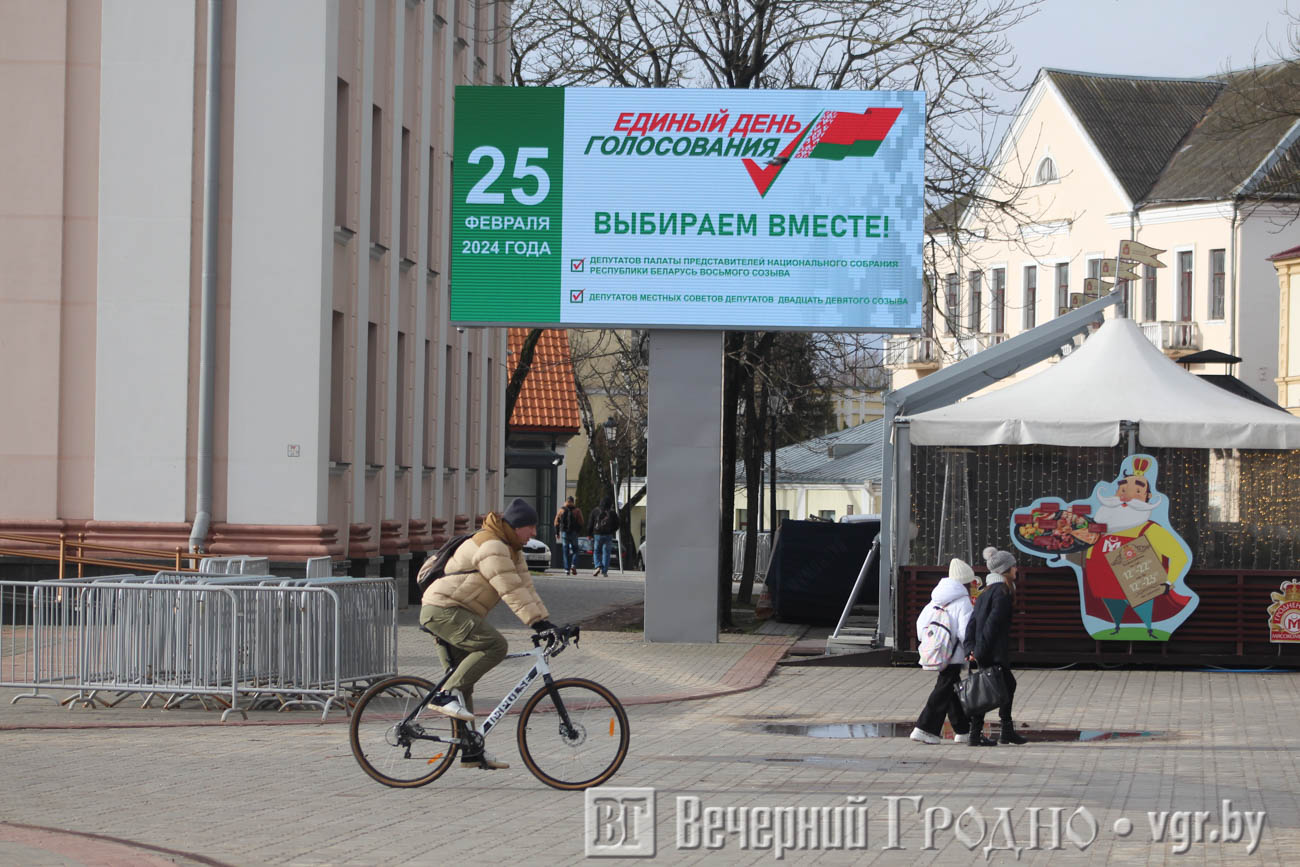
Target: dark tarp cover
pixel 814 566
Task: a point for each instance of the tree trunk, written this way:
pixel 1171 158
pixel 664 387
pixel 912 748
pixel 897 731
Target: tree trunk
pixel 753 445
pixel 733 343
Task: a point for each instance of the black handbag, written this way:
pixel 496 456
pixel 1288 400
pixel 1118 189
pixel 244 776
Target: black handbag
pixel 982 690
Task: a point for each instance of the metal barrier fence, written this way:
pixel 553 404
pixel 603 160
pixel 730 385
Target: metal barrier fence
pixel 738 554
pixel 240 641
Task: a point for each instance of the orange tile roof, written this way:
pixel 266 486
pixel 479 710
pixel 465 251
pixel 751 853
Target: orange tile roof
pixel 548 400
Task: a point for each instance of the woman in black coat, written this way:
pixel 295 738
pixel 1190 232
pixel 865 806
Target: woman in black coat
pixel 988 638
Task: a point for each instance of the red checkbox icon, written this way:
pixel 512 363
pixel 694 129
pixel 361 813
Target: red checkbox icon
pixel 575 295
pixel 576 264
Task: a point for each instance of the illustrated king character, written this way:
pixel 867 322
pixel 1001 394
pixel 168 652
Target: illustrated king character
pixel 1130 563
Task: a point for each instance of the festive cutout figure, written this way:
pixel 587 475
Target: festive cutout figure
pixel 1129 562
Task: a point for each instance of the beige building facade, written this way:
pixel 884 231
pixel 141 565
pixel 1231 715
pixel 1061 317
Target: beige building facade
pixel 1092 160
pixel 349 417
pixel 1287 264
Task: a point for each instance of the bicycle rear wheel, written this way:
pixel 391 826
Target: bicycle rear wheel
pixel 582 754
pixel 396 752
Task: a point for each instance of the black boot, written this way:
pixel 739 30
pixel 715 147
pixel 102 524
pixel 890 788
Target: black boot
pixel 978 740
pixel 1009 734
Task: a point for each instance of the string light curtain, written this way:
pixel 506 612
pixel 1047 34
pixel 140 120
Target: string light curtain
pixel 1237 509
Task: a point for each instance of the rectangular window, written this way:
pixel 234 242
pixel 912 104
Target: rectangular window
pixel 1148 293
pixel 338 351
pixel 1185 286
pixel 1031 296
pixel 1062 287
pixel 1217 283
pixel 951 304
pixel 493 434
pixel 826 514
pixel 927 310
pixel 1125 288
pixel 403 439
pixel 742 519
pixel 376 172
pixel 372 394
pixel 404 208
pixel 430 456
pixel 999 301
pixel 342 156
pixel 450 424
pixel 973 282
pixel 434 260
pixel 474 440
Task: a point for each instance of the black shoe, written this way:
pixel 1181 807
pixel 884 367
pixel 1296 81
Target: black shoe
pixel 483 761
pixel 1009 735
pixel 981 741
pixel 1151 633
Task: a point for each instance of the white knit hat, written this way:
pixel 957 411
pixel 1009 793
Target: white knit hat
pixel 998 561
pixel 960 571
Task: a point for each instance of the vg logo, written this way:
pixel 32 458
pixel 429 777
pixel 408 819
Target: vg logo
pixel 620 822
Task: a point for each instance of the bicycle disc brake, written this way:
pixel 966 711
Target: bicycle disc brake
pixel 573 734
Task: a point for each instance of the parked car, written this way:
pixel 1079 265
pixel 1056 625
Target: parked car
pixel 537 554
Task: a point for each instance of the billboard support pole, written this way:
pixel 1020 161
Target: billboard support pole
pixel 684 466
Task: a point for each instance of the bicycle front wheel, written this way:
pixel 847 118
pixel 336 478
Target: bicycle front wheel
pixel 583 752
pixel 397 751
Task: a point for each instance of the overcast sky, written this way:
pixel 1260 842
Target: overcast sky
pixel 1148 37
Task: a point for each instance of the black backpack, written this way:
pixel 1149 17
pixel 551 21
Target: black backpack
pixel 569 522
pixel 436 567
pixel 606 523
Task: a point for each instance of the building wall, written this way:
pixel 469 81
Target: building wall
pixel 1288 277
pixel 48 242
pixel 1083 216
pixel 351 418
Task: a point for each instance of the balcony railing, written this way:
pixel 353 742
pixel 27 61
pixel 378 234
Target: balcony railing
pixel 912 352
pixel 968 346
pixel 1173 338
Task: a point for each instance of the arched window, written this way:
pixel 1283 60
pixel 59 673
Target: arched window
pixel 1046 171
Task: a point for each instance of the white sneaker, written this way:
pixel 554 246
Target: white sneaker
pixel 445 702
pixel 924 737
pixel 961 739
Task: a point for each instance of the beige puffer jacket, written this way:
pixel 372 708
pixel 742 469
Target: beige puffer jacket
pixel 484 570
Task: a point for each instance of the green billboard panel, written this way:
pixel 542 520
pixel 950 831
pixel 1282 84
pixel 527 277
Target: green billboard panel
pixel 590 208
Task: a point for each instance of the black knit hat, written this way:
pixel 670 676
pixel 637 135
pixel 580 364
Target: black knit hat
pixel 520 514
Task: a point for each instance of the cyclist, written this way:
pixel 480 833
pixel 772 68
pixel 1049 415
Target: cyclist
pixel 486 568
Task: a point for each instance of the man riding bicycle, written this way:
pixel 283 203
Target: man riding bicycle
pixel 486 568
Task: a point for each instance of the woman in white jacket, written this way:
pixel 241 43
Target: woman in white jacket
pixel 950 605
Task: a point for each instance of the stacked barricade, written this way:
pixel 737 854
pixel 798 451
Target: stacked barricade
pixel 236 639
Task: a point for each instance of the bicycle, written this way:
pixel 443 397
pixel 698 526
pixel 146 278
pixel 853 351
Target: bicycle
pixel 399 741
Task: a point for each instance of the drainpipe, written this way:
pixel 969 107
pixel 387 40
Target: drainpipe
pixel 208 290
pixel 1232 271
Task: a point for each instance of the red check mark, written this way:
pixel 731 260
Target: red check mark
pixel 576 264
pixel 575 295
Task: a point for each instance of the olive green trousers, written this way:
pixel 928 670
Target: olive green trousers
pixel 476 647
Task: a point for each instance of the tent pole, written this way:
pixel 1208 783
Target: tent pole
pixel 1130 429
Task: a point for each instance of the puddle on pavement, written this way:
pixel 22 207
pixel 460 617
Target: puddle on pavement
pixel 902 730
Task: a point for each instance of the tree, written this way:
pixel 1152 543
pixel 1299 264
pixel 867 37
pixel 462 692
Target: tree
pixel 955 50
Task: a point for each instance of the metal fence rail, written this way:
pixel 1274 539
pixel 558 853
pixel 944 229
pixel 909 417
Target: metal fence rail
pixel 764 542
pixel 237 640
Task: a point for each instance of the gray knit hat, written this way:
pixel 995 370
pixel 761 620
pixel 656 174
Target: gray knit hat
pixel 520 514
pixel 998 561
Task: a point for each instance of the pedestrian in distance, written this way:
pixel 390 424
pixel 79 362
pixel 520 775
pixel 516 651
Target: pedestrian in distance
pixel 568 527
pixel 941 628
pixel 605 524
pixel 486 568
pixel 988 640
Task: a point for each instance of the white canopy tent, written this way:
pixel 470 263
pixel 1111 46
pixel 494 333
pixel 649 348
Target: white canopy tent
pixel 1116 376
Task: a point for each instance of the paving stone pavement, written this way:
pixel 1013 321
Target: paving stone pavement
pixel 292 794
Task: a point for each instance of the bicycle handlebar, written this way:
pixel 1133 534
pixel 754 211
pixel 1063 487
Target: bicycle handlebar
pixel 561 636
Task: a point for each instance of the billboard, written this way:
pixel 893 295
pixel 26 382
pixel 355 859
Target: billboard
pixel 726 209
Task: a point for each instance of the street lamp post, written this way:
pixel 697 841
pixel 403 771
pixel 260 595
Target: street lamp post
pixel 611 431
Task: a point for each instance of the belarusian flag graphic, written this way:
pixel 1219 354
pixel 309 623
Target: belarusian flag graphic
pixel 840 134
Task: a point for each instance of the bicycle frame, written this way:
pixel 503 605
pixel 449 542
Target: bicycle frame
pixel 539 667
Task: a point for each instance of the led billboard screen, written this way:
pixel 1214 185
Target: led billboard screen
pixel 729 209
